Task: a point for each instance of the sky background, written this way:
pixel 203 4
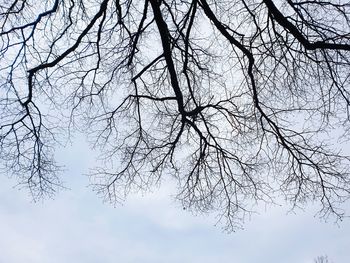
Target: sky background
pixel 76 226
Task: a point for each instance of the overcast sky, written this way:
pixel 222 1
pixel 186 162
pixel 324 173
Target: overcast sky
pixel 77 227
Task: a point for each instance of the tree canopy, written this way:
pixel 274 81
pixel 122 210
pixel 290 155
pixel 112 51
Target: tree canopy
pixel 242 101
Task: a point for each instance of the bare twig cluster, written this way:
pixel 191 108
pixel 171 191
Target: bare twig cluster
pixel 239 100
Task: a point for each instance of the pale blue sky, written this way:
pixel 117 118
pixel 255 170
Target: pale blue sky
pixel 77 227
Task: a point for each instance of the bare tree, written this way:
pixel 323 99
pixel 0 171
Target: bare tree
pixel 322 259
pixel 241 101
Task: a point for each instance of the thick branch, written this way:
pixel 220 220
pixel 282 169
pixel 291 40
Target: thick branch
pixel 164 34
pixel 283 21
